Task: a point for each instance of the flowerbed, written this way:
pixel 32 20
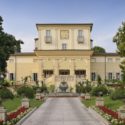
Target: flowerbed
pixel 14 117
pixel 109 111
pixel 110 115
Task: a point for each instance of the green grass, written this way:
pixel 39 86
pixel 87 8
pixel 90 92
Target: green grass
pixel 112 104
pixel 13 104
pixel 89 103
pixel 35 103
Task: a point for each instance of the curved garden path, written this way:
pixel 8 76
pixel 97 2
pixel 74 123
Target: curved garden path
pixel 62 111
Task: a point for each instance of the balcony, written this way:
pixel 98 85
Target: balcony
pixel 48 39
pixel 67 78
pixel 61 78
pixel 80 39
pixel 80 77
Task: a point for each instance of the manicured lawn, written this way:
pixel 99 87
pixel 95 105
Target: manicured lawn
pixel 89 103
pixel 13 104
pixel 112 104
pixel 35 103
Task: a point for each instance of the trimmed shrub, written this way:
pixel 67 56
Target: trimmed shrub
pixel 80 88
pixel 88 88
pixel 118 94
pixel 6 93
pixel 51 88
pixel 44 88
pixel 96 91
pixel 26 91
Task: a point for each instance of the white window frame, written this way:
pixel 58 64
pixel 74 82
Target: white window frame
pixel 48 32
pixel 80 33
pixel 64 46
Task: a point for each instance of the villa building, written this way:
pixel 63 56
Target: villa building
pixel 63 53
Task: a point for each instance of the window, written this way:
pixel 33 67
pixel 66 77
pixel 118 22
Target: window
pixel 12 76
pixel 48 33
pixel 80 33
pixel 47 73
pixel 80 72
pixel 110 76
pixel 117 59
pixel 48 37
pixel 93 59
pixel 80 37
pixel 64 46
pixel 35 77
pixel 64 72
pixel 93 76
pixel 118 75
pixel 109 59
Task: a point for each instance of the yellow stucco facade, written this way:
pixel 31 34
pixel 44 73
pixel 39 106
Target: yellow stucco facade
pixel 63 53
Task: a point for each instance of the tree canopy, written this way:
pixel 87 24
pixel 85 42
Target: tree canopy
pixel 98 49
pixel 8 45
pixel 119 39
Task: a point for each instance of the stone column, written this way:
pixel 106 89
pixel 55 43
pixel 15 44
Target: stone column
pixel 72 70
pixel 25 102
pixel 99 101
pixel 121 112
pixel 38 94
pixel 87 96
pixel 2 113
pixel 40 69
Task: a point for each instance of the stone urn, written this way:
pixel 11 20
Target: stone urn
pixel 63 86
pixel 121 112
pixel 99 101
pixel 25 102
pixel 87 96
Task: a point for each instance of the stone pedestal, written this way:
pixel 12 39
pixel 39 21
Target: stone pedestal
pixel 82 95
pixel 99 101
pixel 2 113
pixel 87 96
pixel 121 112
pixel 25 102
pixel 38 96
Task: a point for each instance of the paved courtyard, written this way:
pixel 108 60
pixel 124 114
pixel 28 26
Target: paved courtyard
pixel 62 111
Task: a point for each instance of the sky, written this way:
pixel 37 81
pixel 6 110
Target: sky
pixel 20 18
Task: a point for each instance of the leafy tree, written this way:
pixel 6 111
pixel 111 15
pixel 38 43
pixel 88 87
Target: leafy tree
pixel 99 80
pixel 122 66
pixel 98 49
pixel 8 45
pixel 119 39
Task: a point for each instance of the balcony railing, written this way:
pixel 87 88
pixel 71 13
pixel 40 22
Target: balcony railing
pixel 48 39
pixel 80 39
pixel 61 78
pixel 80 77
pixel 64 78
